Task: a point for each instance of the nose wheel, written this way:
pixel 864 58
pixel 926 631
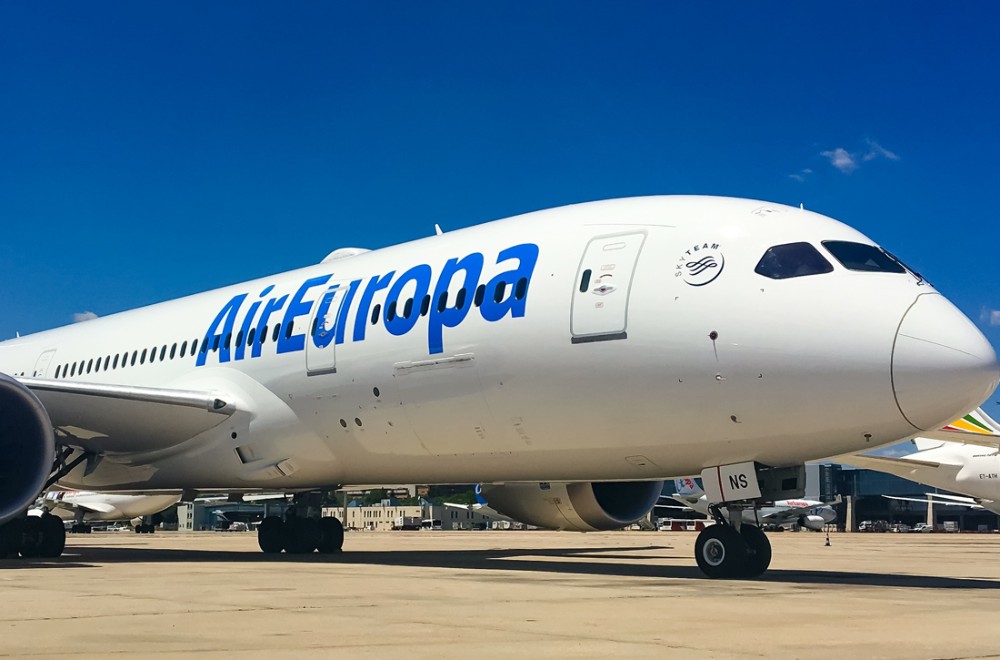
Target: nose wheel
pixel 723 551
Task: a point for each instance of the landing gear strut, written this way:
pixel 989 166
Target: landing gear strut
pixel 44 535
pixel 731 548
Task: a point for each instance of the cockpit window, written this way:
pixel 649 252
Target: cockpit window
pixel 792 260
pixel 868 258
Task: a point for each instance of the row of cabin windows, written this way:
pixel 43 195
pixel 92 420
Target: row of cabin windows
pixel 163 353
pixel 392 311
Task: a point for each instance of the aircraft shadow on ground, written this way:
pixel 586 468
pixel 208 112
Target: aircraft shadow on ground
pixel 566 561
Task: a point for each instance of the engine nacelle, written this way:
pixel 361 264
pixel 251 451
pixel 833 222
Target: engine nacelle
pixel 580 507
pixel 814 523
pixel 27 448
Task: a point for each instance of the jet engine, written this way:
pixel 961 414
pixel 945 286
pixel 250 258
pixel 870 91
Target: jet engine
pixel 27 448
pixel 581 507
pixel 814 523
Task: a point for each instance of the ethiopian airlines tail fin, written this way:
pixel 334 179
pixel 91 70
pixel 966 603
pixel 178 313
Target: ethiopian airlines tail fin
pixel 976 428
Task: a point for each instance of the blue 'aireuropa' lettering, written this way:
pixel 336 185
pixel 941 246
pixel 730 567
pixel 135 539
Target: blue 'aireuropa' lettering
pixel 410 297
pixel 296 342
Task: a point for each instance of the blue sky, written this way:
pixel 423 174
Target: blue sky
pixel 151 150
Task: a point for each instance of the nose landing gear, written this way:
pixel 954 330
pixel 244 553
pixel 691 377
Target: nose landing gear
pixel 731 548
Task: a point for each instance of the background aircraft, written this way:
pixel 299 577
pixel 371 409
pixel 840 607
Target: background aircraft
pixel 87 506
pixel 810 514
pixel 961 467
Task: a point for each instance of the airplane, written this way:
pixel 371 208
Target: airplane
pixel 961 467
pixel 992 506
pixel 482 506
pixel 88 506
pixel 810 514
pixel 571 358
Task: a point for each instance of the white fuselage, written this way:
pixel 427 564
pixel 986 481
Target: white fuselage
pixel 644 367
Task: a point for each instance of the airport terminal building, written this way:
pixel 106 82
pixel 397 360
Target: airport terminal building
pixel 866 495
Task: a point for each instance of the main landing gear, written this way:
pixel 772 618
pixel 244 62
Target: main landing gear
pixel 303 530
pixel 33 536
pixel 300 536
pixel 731 548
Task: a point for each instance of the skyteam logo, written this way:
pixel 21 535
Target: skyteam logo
pixel 701 264
pixel 414 298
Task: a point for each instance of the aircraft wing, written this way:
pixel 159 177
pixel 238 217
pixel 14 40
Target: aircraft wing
pixel 886 463
pixel 119 418
pixel 951 500
pixel 95 507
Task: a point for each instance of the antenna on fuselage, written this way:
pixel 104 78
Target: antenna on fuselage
pixel 802 206
pixel 437 229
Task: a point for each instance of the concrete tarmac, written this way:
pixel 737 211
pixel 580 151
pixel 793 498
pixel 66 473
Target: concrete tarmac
pixel 494 594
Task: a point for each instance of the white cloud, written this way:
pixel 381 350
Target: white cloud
pixel 995 317
pixel 876 150
pixel 848 161
pixel 990 316
pixel 80 317
pixel 800 176
pixel 841 159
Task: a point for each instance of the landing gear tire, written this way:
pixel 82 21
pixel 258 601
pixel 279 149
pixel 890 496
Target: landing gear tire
pixel 271 535
pixel 758 551
pixel 53 538
pixel 332 535
pixel 10 539
pixel 31 537
pixel 304 535
pixel 721 552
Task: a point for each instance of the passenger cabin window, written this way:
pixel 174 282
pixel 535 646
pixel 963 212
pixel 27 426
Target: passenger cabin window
pixel 862 257
pixel 782 262
pixel 521 288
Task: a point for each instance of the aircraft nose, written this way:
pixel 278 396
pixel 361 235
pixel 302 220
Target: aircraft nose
pixel 942 365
